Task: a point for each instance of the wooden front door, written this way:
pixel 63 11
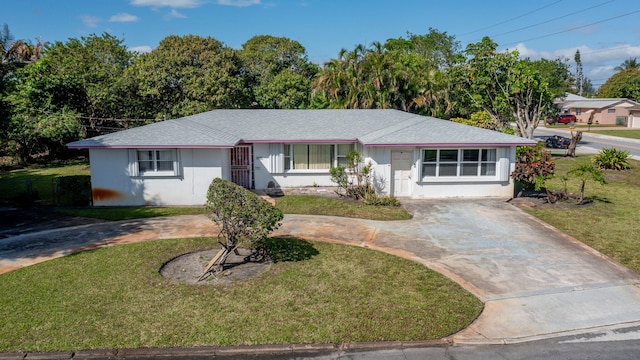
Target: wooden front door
pixel 242 166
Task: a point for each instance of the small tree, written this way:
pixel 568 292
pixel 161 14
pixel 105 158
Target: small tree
pixel 241 215
pixel 585 173
pixel 354 179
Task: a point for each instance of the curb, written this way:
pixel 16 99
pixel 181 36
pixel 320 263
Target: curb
pixel 226 351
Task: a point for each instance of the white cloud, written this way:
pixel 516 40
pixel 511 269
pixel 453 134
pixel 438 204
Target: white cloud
pixel 175 14
pixel 90 21
pixel 141 49
pixel 598 64
pixel 239 3
pixel 168 3
pixel 123 17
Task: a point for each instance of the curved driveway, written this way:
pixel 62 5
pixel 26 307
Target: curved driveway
pixel 535 281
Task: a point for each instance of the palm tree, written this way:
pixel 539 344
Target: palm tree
pixel 630 63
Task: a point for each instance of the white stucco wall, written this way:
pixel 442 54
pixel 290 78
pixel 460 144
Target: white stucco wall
pixel 113 185
pixel 267 168
pixel 443 188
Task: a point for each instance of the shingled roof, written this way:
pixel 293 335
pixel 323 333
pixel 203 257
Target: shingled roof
pixel 227 128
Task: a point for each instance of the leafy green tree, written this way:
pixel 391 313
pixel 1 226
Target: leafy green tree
pixel 186 75
pixel 507 87
pixel 97 63
pixel 278 71
pixel 241 215
pixel 479 119
pixel 624 84
pixel 44 111
pixel 287 90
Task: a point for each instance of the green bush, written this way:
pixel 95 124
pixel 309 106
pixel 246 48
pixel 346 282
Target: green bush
pixel 612 158
pixel 73 190
pixel 534 167
pixel 377 200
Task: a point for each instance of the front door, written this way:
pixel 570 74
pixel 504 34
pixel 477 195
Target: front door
pixel 242 166
pixel 401 172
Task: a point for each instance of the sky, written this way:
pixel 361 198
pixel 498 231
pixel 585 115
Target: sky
pixel 607 32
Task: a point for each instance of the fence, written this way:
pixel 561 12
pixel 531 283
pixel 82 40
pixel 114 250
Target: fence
pixel 72 190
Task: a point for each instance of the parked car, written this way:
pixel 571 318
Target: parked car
pixel 557 142
pixel 566 119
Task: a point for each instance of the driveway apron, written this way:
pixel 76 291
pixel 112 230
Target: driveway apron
pixel 535 281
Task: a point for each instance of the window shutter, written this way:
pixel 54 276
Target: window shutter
pixel 276 158
pixel 504 167
pixel 133 162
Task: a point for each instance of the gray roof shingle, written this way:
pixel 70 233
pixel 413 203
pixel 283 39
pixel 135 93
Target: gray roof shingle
pixel 226 128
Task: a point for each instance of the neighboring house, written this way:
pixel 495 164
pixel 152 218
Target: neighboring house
pixel 173 162
pixel 621 112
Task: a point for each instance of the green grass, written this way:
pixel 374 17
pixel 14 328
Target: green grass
pixel 129 213
pixel 115 298
pixel 15 182
pixel 290 204
pixel 322 205
pixel 631 134
pixel 612 223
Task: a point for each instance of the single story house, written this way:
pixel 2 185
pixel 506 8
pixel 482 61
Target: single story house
pixel 173 162
pixel 603 111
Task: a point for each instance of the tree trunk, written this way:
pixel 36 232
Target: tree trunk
pixel 575 139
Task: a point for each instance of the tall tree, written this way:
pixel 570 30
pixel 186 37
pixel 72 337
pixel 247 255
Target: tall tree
pixel 44 111
pixel 579 74
pixel 278 72
pixel 186 75
pixel 405 74
pixel 509 88
pixel 624 84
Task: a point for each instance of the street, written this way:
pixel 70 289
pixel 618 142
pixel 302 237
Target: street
pixel 592 143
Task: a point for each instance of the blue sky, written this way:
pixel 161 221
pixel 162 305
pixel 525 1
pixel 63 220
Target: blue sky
pixel 606 31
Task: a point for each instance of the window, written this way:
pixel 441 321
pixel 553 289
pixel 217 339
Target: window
pixel 156 162
pixel 458 162
pixel 315 156
pixel 611 111
pixel 578 111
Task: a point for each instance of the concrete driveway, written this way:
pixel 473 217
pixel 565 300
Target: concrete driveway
pixel 536 282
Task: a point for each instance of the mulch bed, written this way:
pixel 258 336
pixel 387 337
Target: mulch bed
pixel 188 268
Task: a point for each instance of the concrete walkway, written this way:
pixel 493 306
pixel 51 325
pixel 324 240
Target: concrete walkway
pixel 535 281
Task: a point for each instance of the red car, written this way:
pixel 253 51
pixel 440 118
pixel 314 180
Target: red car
pixel 566 119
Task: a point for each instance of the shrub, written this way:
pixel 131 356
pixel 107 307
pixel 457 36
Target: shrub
pixel 241 215
pixel 375 199
pixel 353 180
pixel 533 167
pixel 612 158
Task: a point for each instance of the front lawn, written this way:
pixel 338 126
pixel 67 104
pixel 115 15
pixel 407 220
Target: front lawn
pixel 631 134
pixel 290 204
pixel 612 223
pixel 37 182
pixel 115 298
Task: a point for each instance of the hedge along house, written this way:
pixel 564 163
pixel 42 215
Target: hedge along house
pixel 173 162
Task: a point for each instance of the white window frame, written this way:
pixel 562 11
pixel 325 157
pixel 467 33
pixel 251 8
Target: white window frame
pixel 137 171
pixel 337 158
pixel 481 165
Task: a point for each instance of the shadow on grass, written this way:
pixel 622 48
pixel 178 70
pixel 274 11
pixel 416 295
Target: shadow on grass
pixel 288 249
pixel 600 199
